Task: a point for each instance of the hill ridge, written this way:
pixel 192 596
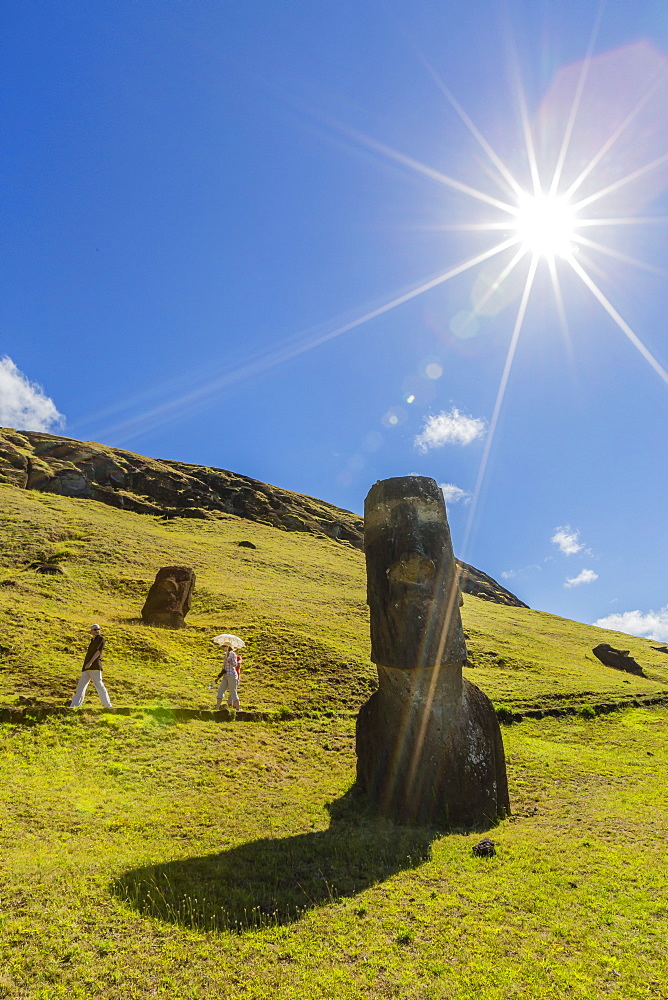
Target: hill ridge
pixel 35 460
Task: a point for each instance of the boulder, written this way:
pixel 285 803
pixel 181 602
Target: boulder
pixel 429 746
pixel 169 599
pixel 619 659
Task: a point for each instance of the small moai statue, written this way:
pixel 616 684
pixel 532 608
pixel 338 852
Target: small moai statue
pixel 168 601
pixel 429 746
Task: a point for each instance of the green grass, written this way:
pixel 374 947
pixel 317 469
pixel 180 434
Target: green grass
pixel 190 861
pixel 534 660
pixel 144 857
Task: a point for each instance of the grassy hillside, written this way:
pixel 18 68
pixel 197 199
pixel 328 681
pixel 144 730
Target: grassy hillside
pixel 86 470
pixel 298 599
pixel 143 857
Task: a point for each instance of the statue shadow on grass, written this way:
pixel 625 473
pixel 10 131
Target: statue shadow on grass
pixel 274 881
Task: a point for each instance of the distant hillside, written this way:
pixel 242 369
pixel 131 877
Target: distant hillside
pixel 84 470
pixel 297 598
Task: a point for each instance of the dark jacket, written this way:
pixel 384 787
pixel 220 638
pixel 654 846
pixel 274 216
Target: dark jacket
pixel 96 643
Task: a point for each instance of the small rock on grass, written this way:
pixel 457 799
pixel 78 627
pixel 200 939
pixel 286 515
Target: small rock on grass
pixel 484 849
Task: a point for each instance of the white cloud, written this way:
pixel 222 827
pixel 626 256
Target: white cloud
pixel 23 404
pixel 449 428
pixel 510 574
pixel 454 494
pixel 585 576
pixel 653 625
pixel 568 540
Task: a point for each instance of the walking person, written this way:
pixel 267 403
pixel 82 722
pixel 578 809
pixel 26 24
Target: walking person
pixel 92 671
pixel 229 681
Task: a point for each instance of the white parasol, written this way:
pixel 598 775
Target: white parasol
pixel 229 640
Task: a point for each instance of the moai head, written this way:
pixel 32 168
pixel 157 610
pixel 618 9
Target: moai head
pixel 170 596
pixel 412 580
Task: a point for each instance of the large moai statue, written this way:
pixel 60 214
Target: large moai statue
pixel 168 601
pixel 429 747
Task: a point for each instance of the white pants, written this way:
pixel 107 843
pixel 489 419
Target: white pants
pixel 86 677
pixel 230 684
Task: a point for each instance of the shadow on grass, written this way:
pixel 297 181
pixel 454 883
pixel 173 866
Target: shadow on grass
pixel 274 881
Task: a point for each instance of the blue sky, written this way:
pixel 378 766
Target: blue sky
pixel 210 207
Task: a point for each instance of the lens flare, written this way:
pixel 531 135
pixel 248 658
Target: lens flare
pixel 595 154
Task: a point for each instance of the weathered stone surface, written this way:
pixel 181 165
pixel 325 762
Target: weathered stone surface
pixel 412 586
pixel 429 750
pixel 429 747
pixel 170 596
pixel 484 848
pixel 619 659
pixel 35 460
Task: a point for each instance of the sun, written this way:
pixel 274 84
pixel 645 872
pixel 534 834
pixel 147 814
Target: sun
pixel 542 213
pixel 546 225
pixel 545 220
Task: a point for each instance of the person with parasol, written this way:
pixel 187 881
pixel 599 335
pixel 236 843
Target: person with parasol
pixel 230 673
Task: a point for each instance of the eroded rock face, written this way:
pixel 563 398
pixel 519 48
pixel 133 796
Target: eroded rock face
pixel 429 747
pixel 619 659
pixel 35 460
pixel 169 599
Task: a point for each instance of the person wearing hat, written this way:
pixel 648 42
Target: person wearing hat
pixel 92 671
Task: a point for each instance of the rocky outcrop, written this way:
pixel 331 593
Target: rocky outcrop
pixel 474 581
pixel 428 742
pixel 618 659
pixel 34 460
pixel 170 597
